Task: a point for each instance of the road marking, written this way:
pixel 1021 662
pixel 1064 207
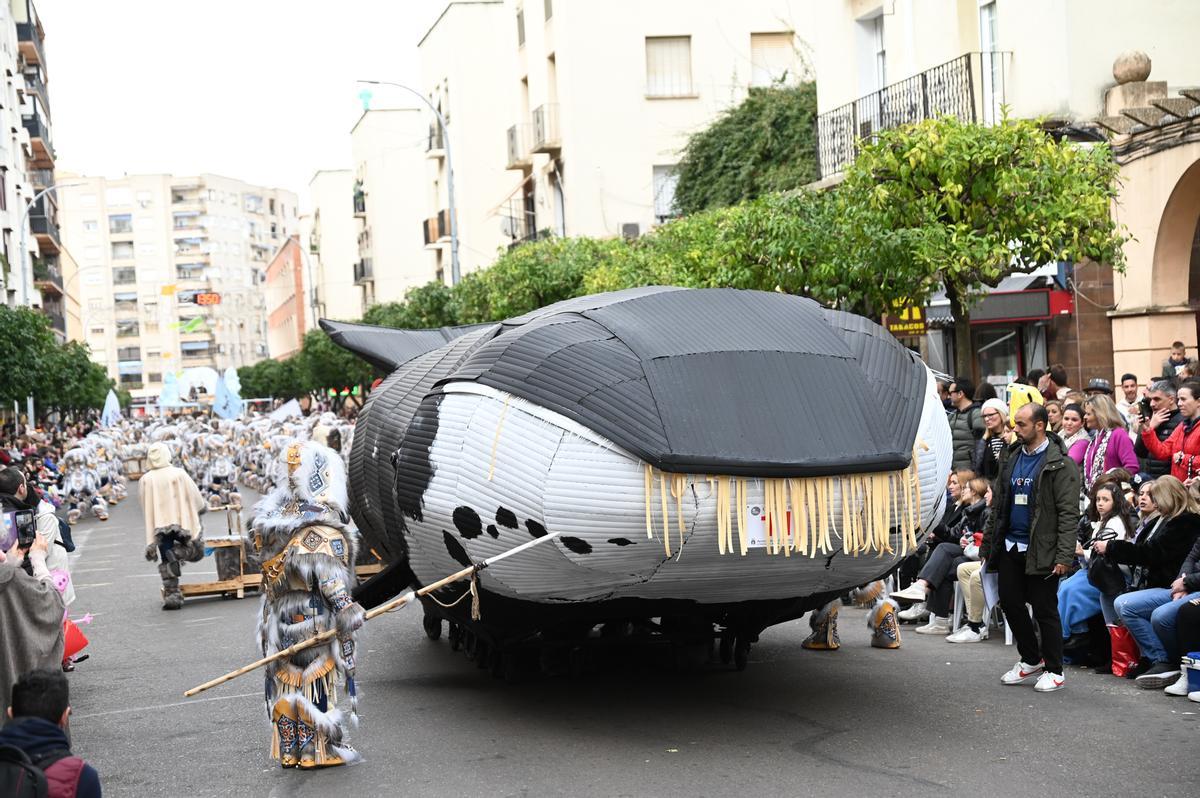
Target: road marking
pixel 164 706
pixel 89 570
pixel 95 584
pixel 201 620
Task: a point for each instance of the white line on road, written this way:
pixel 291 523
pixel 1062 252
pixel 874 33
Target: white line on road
pixel 164 706
pixel 201 620
pixel 95 584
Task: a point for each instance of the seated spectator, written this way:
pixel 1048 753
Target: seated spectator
pixel 1157 560
pixel 1187 630
pixel 1182 448
pixel 970 580
pixel 996 435
pixel 31 615
pixel 1054 410
pixel 39 725
pixel 1072 430
pixel 1160 396
pixel 940 534
pixel 934 585
pixel 1177 361
pixel 1185 592
pixel 1078 599
pixel 1109 447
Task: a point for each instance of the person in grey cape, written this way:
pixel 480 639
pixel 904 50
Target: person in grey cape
pixel 31 614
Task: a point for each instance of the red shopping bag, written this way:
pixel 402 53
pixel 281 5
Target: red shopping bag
pixel 73 639
pixel 1125 651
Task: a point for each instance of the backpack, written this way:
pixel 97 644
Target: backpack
pixel 19 777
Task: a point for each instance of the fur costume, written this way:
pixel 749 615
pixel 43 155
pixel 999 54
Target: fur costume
pixel 171 506
pixel 885 628
pixel 81 485
pixel 307 554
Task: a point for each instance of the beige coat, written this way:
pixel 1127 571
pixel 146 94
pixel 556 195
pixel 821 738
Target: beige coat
pixel 168 495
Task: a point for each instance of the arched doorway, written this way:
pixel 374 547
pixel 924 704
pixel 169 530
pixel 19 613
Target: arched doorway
pixel 1177 246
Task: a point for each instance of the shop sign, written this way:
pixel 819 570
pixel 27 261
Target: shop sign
pixel 906 320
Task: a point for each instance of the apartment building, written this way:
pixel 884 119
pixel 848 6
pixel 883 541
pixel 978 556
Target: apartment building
pixel 605 94
pixel 285 289
pixel 884 63
pixel 33 277
pixel 330 233
pixel 388 148
pixel 170 271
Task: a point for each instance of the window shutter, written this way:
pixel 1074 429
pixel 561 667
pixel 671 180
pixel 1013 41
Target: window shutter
pixel 668 66
pixel 772 57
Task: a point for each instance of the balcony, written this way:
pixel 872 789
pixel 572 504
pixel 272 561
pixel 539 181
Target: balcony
pixel 58 322
pixel 545 129
pixel 970 88
pixel 435 146
pixel 47 277
pixel 518 147
pixel 39 137
pixel 41 178
pixel 45 228
pixel 362 272
pixel 35 85
pixel 29 38
pixel 360 200
pixel 518 220
pixel 431 232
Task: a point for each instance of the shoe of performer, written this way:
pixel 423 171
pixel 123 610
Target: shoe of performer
pixel 968 635
pixel 885 629
pixel 1021 673
pixel 824 635
pixel 173 601
pixel 1180 687
pixel 308 745
pixel 73 517
pixel 1049 682
pixel 937 626
pixel 1158 676
pixel 913 592
pixel 286 731
pixel 914 614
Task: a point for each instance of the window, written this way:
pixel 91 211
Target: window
pixel 271 206
pixel 154 376
pixel 121 223
pixel 132 381
pixel 185 219
pixel 129 353
pixel 97 331
pixel 668 66
pixel 122 250
pixel 90 225
pixel 880 52
pixel 665 180
pixel 520 27
pixel 772 58
pixel 3 190
pixel 127 328
pixel 124 275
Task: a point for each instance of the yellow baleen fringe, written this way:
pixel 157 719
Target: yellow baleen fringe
pixel 801 513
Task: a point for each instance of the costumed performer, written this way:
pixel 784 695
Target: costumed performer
pixel 881 620
pixel 307 553
pixel 171 506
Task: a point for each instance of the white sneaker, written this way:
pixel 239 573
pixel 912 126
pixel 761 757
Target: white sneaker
pixel 1021 673
pixel 936 626
pixel 1180 687
pixel 968 635
pixel 1049 682
pixel 914 614
pixel 1194 696
pixel 913 592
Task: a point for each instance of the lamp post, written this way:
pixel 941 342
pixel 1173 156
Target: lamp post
pixel 24 238
pixel 454 270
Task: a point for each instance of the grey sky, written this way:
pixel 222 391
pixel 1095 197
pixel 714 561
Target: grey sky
pixel 261 90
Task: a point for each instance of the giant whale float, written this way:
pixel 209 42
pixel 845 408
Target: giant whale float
pixel 711 459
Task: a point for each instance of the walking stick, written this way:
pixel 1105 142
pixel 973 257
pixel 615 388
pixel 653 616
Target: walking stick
pixel 388 606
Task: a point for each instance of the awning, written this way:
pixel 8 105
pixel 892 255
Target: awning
pixel 1018 297
pixel 129 367
pixel 194 346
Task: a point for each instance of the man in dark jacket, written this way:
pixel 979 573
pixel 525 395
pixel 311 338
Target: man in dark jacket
pixel 38 725
pixel 1029 541
pixel 1162 397
pixel 966 423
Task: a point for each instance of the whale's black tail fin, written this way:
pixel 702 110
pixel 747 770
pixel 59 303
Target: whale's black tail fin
pixel 386 348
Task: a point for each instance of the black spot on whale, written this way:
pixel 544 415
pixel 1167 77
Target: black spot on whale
pixel 467 522
pixel 535 529
pixel 506 517
pixel 455 549
pixel 577 545
pixel 621 541
pixel 491 530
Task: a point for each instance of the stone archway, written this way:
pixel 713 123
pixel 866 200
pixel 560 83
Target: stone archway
pixel 1176 268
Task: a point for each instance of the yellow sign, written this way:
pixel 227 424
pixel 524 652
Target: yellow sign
pixel 908 320
pixel 168 289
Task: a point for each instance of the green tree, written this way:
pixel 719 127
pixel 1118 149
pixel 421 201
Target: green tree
pixel 27 352
pixel 948 203
pixel 765 144
pixel 322 364
pixel 73 383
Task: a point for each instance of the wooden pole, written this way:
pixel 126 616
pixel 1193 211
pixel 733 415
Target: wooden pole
pixel 388 606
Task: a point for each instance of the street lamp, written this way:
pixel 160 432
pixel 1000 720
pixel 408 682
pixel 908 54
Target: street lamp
pixel 24 238
pixel 454 271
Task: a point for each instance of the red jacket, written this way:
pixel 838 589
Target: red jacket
pixel 1183 441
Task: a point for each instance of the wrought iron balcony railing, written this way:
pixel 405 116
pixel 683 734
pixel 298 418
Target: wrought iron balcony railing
pixel 970 88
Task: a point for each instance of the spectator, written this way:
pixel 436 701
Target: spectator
pixel 31 614
pixel 15 494
pixel 940 534
pixel 996 435
pixel 984 392
pixel 966 423
pixel 1182 448
pixel 1078 599
pixel 1034 377
pixel 1129 396
pixel 1161 396
pixel 1072 431
pixel 1053 384
pixel 1054 410
pixel 943 387
pixel 1109 447
pixel 1030 539
pixel 934 584
pixel 39 725
pixel 1187 627
pixel 1157 559
pixel 1184 591
pixel 1177 361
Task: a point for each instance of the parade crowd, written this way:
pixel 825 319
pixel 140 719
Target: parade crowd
pixel 1083 508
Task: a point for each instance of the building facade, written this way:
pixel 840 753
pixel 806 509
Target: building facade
pixel 170 271
pixel 332 241
pixel 285 289
pixel 881 64
pixel 388 149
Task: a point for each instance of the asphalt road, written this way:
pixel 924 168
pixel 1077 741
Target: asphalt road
pixel 929 719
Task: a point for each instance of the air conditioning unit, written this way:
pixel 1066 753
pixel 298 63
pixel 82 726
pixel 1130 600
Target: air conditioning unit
pixel 631 230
